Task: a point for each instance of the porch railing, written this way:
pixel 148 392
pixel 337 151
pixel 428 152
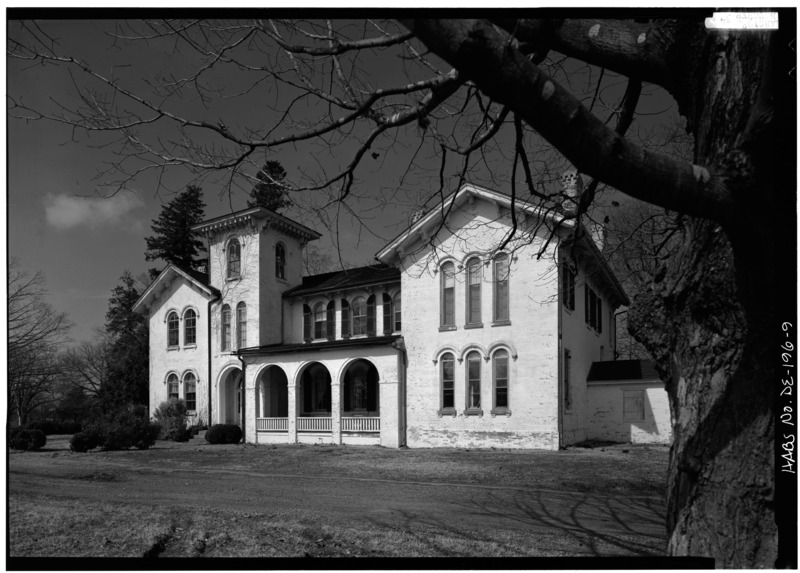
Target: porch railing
pixel 314 424
pixel 361 424
pixel 272 424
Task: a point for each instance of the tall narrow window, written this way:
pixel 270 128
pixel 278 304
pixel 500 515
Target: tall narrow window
pixel 398 323
pixel 500 367
pixel 371 315
pixel 190 327
pixel 359 312
pixel 226 328
pixel 319 320
pixel 241 325
pixel 172 386
pixel 234 259
pixel 568 275
pixel 593 309
pixel 345 319
pixel 330 321
pixel 473 380
pixel 567 382
pixel 448 302
pixel 280 261
pixel 474 291
pixel 172 329
pixel 387 314
pixel 599 314
pixel 448 382
pixel 307 322
pixel 190 391
pixel 501 301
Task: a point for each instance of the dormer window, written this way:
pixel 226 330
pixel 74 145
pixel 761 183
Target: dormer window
pixel 280 261
pixel 234 259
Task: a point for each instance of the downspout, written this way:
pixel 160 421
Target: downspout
pixel 400 346
pixel 244 397
pixel 560 351
pixel 209 362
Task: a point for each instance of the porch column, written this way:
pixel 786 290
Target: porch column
pixel 336 412
pixel 390 412
pixel 249 390
pixel 293 392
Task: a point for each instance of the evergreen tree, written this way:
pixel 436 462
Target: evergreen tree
pixel 174 240
pixel 269 192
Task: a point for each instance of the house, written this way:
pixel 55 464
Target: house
pixel 462 334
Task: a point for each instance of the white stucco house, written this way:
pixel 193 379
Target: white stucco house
pixel 448 340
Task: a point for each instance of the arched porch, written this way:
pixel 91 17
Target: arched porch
pixel 230 397
pixel 272 400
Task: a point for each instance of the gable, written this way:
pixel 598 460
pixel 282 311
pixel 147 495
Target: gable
pixel 162 288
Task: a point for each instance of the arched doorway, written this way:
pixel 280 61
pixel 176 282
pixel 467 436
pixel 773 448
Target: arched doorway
pixel 360 389
pixel 272 400
pixel 315 391
pixel 230 397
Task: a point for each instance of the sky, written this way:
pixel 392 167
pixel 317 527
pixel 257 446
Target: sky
pixel 62 221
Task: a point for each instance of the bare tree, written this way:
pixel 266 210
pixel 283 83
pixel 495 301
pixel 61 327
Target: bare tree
pixel 87 366
pixel 509 86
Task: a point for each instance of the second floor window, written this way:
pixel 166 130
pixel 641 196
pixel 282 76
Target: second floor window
pixel 241 325
pixel 330 321
pixel 345 319
pixel 448 301
pixel 280 261
pixel 501 299
pixel 190 327
pixel 387 314
pixel 172 329
pixel 359 314
pixel 226 328
pixel 319 320
pixel 593 309
pixel 398 324
pixel 474 291
pixel 234 259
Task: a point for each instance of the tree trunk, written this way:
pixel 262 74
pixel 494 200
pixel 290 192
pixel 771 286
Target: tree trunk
pixel 711 324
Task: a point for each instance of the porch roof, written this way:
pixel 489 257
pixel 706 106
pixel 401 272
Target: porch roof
pixel 272 349
pixel 369 275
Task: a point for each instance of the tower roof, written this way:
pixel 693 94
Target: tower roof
pixel 257 217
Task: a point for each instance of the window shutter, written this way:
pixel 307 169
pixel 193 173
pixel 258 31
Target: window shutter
pixel 345 319
pixel 331 321
pixel 306 322
pixel 371 316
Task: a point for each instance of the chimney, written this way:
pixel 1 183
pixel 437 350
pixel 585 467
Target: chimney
pixel 572 187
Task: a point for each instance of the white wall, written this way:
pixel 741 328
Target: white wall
pixel 607 422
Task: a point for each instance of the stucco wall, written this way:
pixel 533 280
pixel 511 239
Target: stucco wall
pixel 531 339
pixel 606 421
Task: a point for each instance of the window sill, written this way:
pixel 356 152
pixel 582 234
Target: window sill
pixel 501 323
pixel 476 325
pixel 231 279
pixel 500 412
pixel 173 348
pixel 189 346
pixel 447 328
pixel 473 412
pixel 447 412
pixel 282 280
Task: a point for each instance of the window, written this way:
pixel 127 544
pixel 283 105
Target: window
pixel 307 320
pixel 172 386
pixel 331 320
pixel 474 291
pixel 398 325
pixel 501 300
pixel 633 405
pixel 241 325
pixel 371 315
pixel 500 375
pixel 189 391
pixel 234 259
pixel 473 381
pixel 568 275
pixel 172 329
pixel 226 328
pixel 359 311
pixel 319 320
pixel 280 261
pixel 593 309
pixel 448 317
pixel 448 375
pixel 567 390
pixel 345 319
pixel 387 314
pixel 190 327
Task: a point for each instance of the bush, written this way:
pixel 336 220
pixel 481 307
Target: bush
pixel 84 441
pixel 67 428
pixel 171 415
pixel 46 426
pixel 28 440
pixel 224 434
pixel 120 430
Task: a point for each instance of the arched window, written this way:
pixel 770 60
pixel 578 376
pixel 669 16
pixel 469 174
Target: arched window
pixel 473 381
pixel 387 314
pixel 172 386
pixel 190 327
pixel 331 320
pixel 501 299
pixel 226 328
pixel 172 329
pixel 398 324
pixel 448 301
pixel 359 312
pixel 345 319
pixel 307 323
pixel 234 259
pixel 474 291
pixel 500 379
pixel 371 315
pixel 241 325
pixel 448 380
pixel 280 261
pixel 189 391
pixel 319 320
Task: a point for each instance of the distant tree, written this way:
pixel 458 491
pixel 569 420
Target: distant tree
pixel 269 192
pixel 86 367
pixel 129 347
pixel 316 261
pixel 174 241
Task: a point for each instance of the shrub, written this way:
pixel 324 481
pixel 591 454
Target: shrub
pixel 224 434
pixel 120 430
pixel 67 428
pixel 24 439
pixel 46 426
pixel 84 441
pixel 171 415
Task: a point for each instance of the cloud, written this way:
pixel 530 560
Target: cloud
pixel 68 211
